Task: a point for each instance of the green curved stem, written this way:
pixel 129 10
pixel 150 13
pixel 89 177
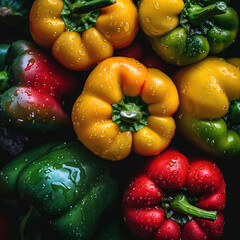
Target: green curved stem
pixel 80 8
pixel 181 204
pixel 25 228
pixel 4 80
pixel 197 15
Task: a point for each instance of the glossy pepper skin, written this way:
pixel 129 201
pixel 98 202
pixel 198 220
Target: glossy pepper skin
pixel 144 54
pixel 125 106
pixel 64 182
pixel 32 87
pixel 184 32
pixel 156 202
pixel 80 48
pixel 209 110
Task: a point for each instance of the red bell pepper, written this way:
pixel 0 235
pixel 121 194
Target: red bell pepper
pixel 4 231
pixel 176 198
pixel 32 88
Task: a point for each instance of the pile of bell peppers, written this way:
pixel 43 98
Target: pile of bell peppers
pixel 142 70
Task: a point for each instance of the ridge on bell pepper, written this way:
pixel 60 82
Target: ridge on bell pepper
pixel 32 88
pixel 176 198
pixel 63 182
pixel 83 33
pixel 125 106
pixel 209 109
pixel 184 32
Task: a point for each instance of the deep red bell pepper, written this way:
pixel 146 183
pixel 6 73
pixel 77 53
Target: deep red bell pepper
pixel 4 230
pixel 32 88
pixel 176 198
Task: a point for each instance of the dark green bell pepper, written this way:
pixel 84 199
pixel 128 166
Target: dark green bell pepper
pixel 189 33
pixel 114 229
pixel 63 182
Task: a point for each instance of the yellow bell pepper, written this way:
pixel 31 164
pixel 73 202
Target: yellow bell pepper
pixel 234 61
pixel 183 32
pixel 125 106
pixel 209 111
pixel 159 17
pixel 81 33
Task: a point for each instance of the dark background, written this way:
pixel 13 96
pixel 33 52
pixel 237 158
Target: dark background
pixel 13 142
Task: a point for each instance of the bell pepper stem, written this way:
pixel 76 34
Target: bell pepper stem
pixel 181 204
pixel 198 15
pixel 131 116
pixel 5 11
pixel 80 8
pixel 3 80
pixel 130 112
pixel 25 228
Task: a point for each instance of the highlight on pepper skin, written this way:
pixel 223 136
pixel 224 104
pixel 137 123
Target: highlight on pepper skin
pixel 125 106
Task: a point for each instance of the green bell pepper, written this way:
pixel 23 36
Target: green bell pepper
pixel 184 32
pixel 63 182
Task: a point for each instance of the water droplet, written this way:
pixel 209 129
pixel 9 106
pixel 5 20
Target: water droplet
pixel 149 143
pixel 126 27
pixel 148 20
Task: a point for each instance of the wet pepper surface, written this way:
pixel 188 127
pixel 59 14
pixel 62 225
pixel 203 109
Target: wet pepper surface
pixel 14 141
